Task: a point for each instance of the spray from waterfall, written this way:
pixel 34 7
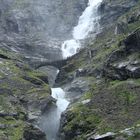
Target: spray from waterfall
pixel 50 121
pixel 88 22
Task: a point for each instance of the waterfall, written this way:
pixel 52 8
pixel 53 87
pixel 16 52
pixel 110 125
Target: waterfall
pixel 88 22
pixel 61 103
pixel 50 122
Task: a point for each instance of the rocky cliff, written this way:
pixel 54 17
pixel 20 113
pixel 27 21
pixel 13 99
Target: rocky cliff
pixel 35 28
pixel 30 32
pixel 101 81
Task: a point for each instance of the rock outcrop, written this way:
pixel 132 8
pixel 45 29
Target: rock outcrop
pixel 31 132
pixel 110 64
pixel 122 64
pixel 24 95
pixel 36 29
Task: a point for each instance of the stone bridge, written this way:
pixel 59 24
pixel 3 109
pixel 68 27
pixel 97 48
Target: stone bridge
pixel 58 64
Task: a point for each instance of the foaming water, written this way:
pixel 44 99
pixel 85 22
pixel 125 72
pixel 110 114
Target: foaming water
pixel 88 22
pixel 50 122
pixel 61 103
pixel 70 47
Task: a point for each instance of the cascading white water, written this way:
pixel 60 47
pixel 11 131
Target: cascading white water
pixel 61 103
pixel 88 22
pixel 50 122
pixel 70 47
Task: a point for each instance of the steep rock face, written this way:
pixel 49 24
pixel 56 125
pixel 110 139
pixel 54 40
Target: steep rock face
pixel 111 66
pixel 33 133
pixel 36 28
pixel 30 32
pixel 111 10
pixel 42 17
pixel 124 63
pixel 24 95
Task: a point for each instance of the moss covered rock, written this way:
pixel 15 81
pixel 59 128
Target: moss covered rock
pixel 24 95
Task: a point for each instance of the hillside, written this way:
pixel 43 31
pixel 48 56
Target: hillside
pixel 101 81
pixel 104 77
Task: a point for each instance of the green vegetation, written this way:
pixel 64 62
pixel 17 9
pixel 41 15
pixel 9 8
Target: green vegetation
pixel 84 120
pixel 114 104
pixel 20 86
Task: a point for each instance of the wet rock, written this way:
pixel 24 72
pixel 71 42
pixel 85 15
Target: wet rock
pixel 15 115
pixel 134 17
pixel 63 77
pixel 33 116
pixel 122 135
pixel 80 72
pixel 34 133
pixel 33 80
pixel 51 72
pixel 132 42
pixel 44 78
pixel 45 104
pixel 76 88
pixel 123 70
pixel 112 10
pixel 107 136
pixel 3 56
pixel 121 28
